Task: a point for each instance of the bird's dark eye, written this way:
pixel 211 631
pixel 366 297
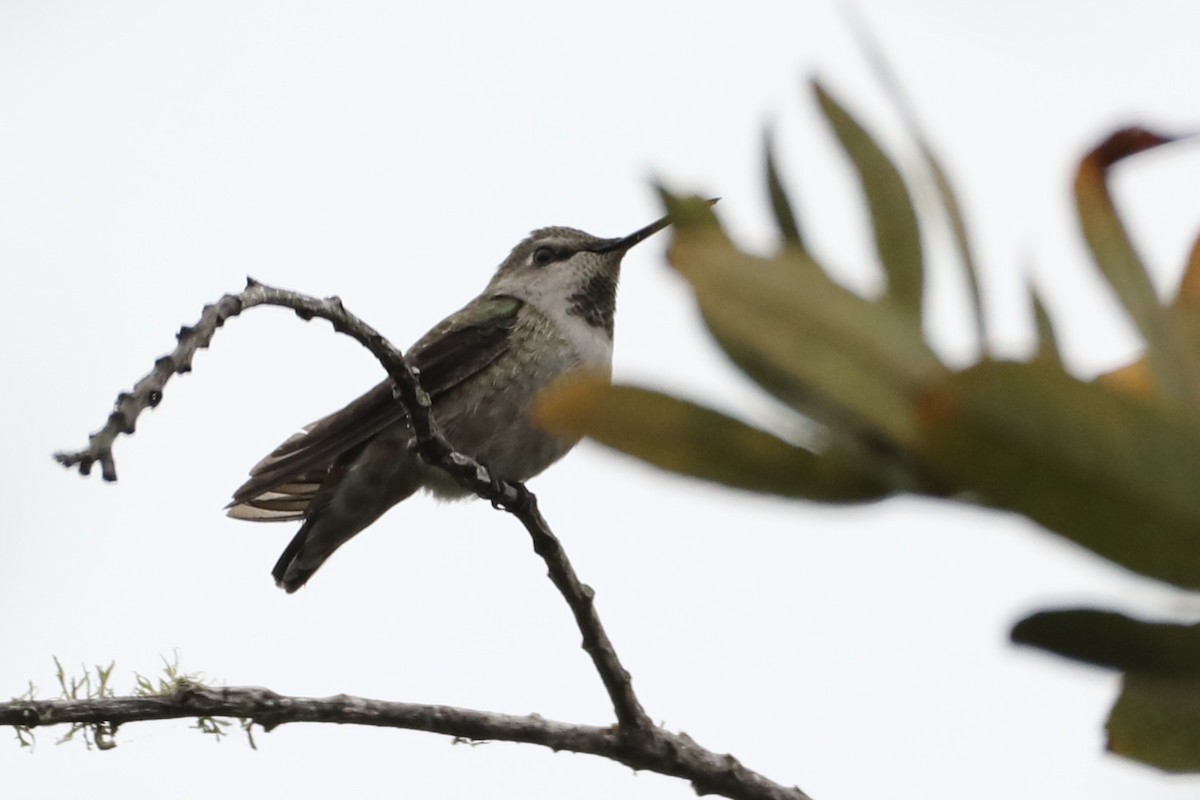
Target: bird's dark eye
pixel 545 255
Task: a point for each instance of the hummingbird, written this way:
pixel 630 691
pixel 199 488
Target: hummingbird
pixel 547 311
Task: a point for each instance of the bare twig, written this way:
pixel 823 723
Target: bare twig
pixel 635 741
pixel 662 752
pixel 434 448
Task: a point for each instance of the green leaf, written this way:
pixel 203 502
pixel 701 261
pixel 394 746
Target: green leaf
pixel 897 236
pixel 855 365
pixel 1113 473
pixel 1110 639
pixel 1156 720
pixel 689 213
pixel 1188 296
pixel 941 181
pixel 785 217
pixel 1175 365
pixel 962 241
pixel 1047 350
pixel 688 439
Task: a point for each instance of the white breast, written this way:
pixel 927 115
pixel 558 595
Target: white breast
pixel 590 343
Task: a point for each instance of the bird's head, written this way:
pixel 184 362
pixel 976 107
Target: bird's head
pixel 565 267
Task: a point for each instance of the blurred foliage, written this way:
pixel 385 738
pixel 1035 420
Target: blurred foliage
pixel 1111 464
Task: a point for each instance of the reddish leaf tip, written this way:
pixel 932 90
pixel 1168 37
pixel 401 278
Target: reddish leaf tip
pixel 1127 142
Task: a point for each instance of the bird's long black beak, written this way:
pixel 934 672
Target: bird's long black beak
pixel 626 242
pixel 640 235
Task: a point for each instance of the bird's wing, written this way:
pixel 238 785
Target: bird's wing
pixel 282 484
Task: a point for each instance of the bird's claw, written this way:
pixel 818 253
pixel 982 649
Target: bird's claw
pixel 498 484
pixel 523 499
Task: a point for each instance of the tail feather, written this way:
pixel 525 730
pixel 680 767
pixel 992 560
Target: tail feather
pixel 292 571
pixel 298 467
pixel 338 477
pixel 343 511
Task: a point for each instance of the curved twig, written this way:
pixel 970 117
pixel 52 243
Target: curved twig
pixel 634 741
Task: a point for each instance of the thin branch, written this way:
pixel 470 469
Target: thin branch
pixel 433 446
pixel 659 751
pixel 635 741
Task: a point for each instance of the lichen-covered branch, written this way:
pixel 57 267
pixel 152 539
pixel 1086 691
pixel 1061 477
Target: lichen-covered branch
pixel 658 751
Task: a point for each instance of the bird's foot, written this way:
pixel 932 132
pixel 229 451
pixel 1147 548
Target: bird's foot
pixel 497 493
pixel 521 500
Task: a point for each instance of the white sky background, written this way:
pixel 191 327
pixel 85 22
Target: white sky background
pixel 152 155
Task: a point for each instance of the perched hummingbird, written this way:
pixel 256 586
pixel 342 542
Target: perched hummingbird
pixel 548 310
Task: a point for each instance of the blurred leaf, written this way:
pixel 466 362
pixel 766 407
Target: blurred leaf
pixel 897 236
pixel 682 437
pixel 1175 365
pixel 1188 295
pixel 785 217
pixel 1112 473
pixel 1156 720
pixel 1047 350
pixel 855 365
pixel 945 191
pixel 689 213
pixel 1133 379
pixel 962 241
pixel 1109 639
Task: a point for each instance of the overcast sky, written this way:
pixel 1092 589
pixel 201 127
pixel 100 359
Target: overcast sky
pixel 153 154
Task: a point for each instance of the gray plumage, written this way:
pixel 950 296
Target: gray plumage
pixel 547 311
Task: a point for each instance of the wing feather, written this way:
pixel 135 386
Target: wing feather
pixel 283 484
